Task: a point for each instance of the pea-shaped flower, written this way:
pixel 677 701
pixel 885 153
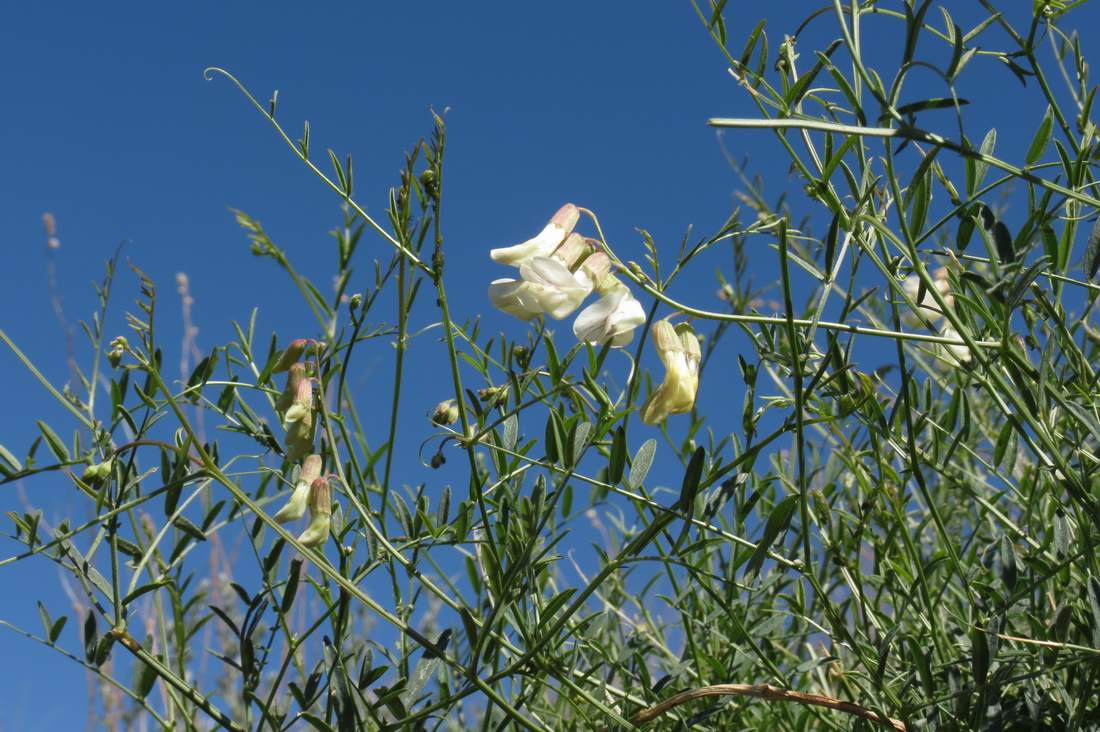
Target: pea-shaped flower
pixel 679 350
pixel 291 355
pixel 295 508
pixel 553 285
pixel 928 307
pixel 611 319
pixel 294 378
pixel 547 240
pixel 302 406
pixel 320 514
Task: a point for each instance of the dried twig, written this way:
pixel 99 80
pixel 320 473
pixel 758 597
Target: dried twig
pixel 769 692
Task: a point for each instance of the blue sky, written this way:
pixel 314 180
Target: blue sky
pixel 110 126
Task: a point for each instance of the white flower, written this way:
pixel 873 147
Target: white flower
pixel 680 353
pixel 546 284
pixel 611 319
pixel 545 242
pixel 927 306
pixel 955 354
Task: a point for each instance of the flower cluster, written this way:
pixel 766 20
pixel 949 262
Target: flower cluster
pixel 558 270
pixel 295 404
pixel 295 408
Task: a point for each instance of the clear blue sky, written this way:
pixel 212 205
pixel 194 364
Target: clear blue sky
pixel 109 125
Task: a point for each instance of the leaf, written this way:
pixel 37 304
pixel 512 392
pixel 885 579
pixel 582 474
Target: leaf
pixel 47 621
pixel 643 459
pixel 580 439
pixel 1092 251
pixel 980 167
pixel 291 585
pixel 145 676
pixel 1042 138
pixel 511 432
pixel 617 460
pixel 979 649
pixel 1003 239
pixel 796 92
pixel 778 521
pixel 148 587
pixel 692 476
pixel 936 103
pixel 57 627
pixel 1009 564
pixel 10 459
pixel 91 636
pixel 57 447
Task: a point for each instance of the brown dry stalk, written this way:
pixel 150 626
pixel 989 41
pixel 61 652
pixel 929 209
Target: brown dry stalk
pixel 769 692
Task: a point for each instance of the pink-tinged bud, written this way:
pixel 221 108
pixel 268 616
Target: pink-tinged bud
pixel 302 404
pixel 547 240
pixel 566 217
pixel 572 250
pixel 597 267
pixel 320 514
pixel 311 469
pixel 291 355
pixel 293 380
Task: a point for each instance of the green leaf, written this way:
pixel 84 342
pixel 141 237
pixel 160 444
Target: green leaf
pixel 511 432
pixel 617 461
pixel 56 628
pixel 692 476
pixel 1041 139
pixel 10 459
pixel 291 585
pixel 91 636
pixel 643 460
pixel 44 615
pixel 778 521
pixel 145 677
pixel 148 587
pixel 57 447
pixel 1092 251
pixel 580 439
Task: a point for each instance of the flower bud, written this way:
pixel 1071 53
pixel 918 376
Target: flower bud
pixel 291 355
pixel 572 250
pixel 492 394
pixel 299 438
pixel 320 514
pixel 295 508
pixel 597 267
pixel 97 472
pixel 445 413
pixel 114 357
pixel 302 404
pixel 294 379
pixel 545 242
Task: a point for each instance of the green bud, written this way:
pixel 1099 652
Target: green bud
pixel 445 413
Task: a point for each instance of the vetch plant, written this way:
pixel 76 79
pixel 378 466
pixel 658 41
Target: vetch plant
pixel 857 489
